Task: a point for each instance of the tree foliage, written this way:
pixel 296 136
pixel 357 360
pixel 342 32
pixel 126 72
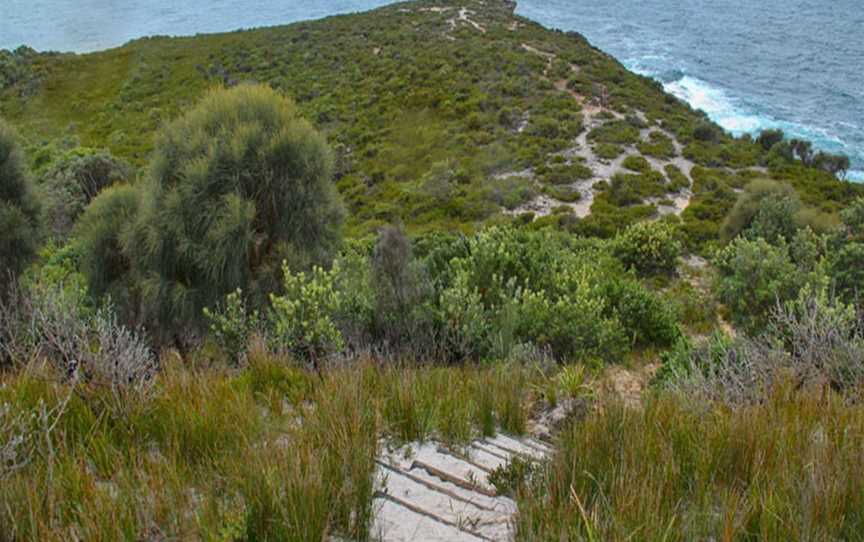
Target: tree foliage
pixel 102 238
pixel 236 186
pixel 73 180
pixel 19 210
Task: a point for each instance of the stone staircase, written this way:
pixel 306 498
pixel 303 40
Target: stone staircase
pixel 429 492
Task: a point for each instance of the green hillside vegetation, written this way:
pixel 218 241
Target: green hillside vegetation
pixel 405 91
pixel 235 266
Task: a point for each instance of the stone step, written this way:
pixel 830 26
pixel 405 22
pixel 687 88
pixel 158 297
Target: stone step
pixel 428 492
pixel 427 457
pixel 445 505
pixel 518 447
pixel 397 523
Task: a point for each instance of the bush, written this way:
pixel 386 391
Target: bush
pixel 102 238
pixel 814 339
pixel 232 326
pixel 648 247
pixel 754 275
pixel 645 317
pixel 766 209
pixel 768 138
pixel 236 185
pixel 637 163
pixel 85 346
pixel 396 284
pixel 302 319
pixel 74 180
pixel 705 131
pixel 19 210
pixel 846 257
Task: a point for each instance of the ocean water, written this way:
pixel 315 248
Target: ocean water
pixel 797 65
pixel 751 65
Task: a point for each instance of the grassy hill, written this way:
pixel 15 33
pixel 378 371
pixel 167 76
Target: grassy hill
pixel 444 114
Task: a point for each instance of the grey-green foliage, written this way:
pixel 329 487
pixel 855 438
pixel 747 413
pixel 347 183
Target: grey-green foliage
pixel 102 237
pixel 846 255
pixel 235 186
pixel 753 275
pixel 648 247
pixel 73 181
pixel 19 210
pixel 814 338
pixel 512 287
pixel 766 209
pixel 396 281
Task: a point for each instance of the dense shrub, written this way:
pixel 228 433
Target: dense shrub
pixel 645 317
pixel 705 131
pixel 846 254
pixel 102 238
pixel 766 209
pixel 396 282
pixel 50 321
pixel 303 317
pixel 236 185
pixel 754 275
pixel 73 180
pixel 19 210
pixel 768 138
pixel 232 326
pixel 648 247
pixel 814 339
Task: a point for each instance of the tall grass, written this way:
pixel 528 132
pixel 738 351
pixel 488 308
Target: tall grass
pixel 786 469
pixel 269 453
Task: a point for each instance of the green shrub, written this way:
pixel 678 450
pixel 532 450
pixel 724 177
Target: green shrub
pixel 19 210
pixel 236 185
pixel 846 257
pixel 302 319
pixel 566 174
pixel 510 192
pixel 232 326
pixel 619 132
pixel 73 180
pixel 648 247
pixel 754 276
pixel 102 238
pixel 397 286
pixel 768 138
pixel 608 151
pixel 637 163
pixel 765 209
pixel 644 316
pixel 705 131
pixel 677 180
pixel 658 145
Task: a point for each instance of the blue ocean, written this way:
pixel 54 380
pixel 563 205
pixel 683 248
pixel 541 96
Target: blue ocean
pixel 791 64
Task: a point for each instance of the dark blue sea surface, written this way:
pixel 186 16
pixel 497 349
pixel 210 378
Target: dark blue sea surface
pixel 750 64
pixel 791 64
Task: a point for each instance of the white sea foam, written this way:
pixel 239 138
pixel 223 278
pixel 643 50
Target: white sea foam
pixel 739 119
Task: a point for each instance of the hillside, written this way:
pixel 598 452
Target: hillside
pixel 548 301
pixel 444 114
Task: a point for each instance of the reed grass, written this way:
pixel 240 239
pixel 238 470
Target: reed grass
pixel 785 469
pixel 268 453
